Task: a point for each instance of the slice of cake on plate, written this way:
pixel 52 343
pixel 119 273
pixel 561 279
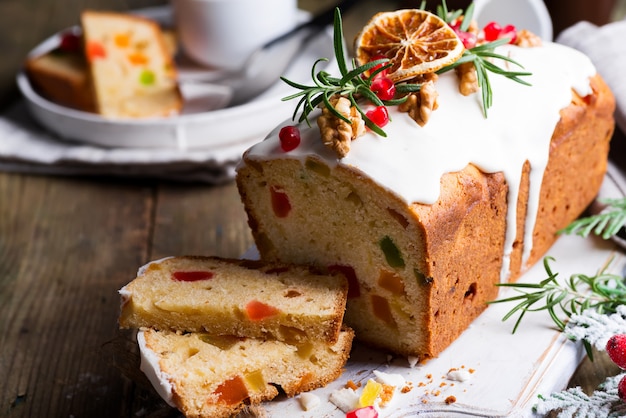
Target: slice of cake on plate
pixel 131 67
pixel 235 297
pixel 217 376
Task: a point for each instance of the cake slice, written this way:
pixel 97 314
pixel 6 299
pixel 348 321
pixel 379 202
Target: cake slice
pixel 235 297
pixel 131 68
pixel 208 376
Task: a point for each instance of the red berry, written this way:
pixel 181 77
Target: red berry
pixel 384 72
pixel 616 349
pixel 621 389
pixel 384 88
pixel 379 115
pixel 70 42
pixel 509 31
pixel 280 202
pixel 492 31
pixel 289 138
pixel 468 38
pixel 365 412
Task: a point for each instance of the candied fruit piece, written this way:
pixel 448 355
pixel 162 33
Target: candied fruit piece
pixel 381 309
pixel 95 50
pixel 317 167
pixel 353 283
pixel 391 281
pixel 280 202
pixel 256 381
pixel 257 310
pixel 223 342
pixel 121 40
pixel 371 392
pixel 192 276
pixel 138 58
pixel 392 253
pixel 232 391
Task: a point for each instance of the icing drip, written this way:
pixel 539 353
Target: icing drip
pixel 411 159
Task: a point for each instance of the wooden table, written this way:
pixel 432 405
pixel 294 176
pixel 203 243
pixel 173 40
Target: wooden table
pixel 67 245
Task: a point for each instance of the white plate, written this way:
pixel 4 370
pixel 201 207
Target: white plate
pixel 509 370
pixel 195 127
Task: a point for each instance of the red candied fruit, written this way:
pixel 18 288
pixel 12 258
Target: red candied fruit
pixel 354 290
pixel 95 50
pixel 257 310
pixel 383 88
pixel 289 137
pixel 379 115
pixel 365 412
pixel 192 276
pixel 280 202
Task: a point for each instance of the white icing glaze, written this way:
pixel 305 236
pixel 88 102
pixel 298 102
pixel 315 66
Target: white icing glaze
pixel 150 367
pixel 411 159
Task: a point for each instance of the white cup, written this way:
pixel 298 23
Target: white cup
pixel 224 33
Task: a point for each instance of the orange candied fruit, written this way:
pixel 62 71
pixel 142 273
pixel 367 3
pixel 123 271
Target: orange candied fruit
pixel 257 310
pixel 138 58
pixel 382 311
pixel 121 40
pixel 232 391
pixel 391 281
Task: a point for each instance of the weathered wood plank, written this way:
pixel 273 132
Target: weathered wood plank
pixel 200 220
pixel 66 247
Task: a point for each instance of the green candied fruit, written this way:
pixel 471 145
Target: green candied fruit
pixel 147 78
pixel 317 167
pixel 392 253
pixel 422 279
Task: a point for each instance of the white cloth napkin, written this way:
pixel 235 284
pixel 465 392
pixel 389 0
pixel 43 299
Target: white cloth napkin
pixel 606 47
pixel 26 147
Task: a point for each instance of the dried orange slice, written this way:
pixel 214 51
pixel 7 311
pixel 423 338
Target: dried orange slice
pixel 416 42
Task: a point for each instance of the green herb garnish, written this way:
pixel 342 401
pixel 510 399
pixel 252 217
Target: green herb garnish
pixel 353 84
pixel 605 224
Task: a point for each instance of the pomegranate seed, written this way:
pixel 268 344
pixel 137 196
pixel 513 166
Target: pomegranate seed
pixel 384 88
pixel 379 115
pixel 616 349
pixel 468 38
pixel 621 389
pixel 492 31
pixel 366 412
pixel 383 73
pixel 289 138
pixel 509 31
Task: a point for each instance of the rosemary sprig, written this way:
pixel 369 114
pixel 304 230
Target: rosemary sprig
pixel 603 292
pixel 605 224
pixel 481 57
pixel 353 84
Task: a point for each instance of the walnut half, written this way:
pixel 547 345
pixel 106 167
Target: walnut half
pixel 420 105
pixel 336 133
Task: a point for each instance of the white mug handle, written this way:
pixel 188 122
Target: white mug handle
pixel 524 14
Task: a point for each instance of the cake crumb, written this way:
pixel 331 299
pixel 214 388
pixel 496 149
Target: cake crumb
pixel 309 401
pixel 351 385
pixel 450 399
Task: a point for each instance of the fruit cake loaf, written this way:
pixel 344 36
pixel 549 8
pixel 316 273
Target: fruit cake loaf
pixel 131 68
pixel 426 221
pixel 209 376
pixel 235 297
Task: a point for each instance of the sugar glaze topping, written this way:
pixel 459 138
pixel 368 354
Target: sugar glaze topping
pixel 411 160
